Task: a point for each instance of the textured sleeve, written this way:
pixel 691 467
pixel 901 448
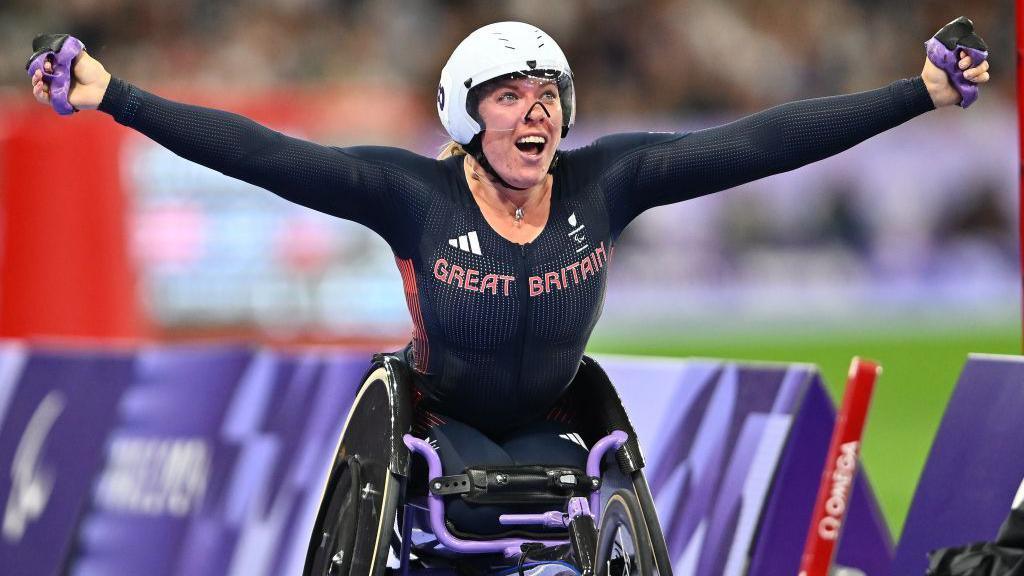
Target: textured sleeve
pixel 385 189
pixel 684 166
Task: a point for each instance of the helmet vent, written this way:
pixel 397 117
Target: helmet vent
pixel 468 83
pixel 531 63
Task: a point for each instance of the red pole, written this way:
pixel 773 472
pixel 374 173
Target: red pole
pixel 1020 148
pixel 840 470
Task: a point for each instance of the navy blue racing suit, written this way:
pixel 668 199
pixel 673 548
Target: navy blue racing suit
pixel 499 328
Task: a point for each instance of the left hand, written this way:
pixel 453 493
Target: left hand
pixel 88 85
pixel 941 89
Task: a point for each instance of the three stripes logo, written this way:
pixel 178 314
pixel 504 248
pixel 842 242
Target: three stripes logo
pixel 467 243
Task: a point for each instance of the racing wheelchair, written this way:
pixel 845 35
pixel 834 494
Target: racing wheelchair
pixel 384 513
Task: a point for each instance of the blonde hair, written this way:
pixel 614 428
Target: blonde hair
pixel 451 148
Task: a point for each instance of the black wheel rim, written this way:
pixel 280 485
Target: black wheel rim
pixel 622 552
pixel 337 532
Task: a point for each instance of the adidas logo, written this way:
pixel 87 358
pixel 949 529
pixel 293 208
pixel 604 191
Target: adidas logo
pixel 467 243
pixel 574 438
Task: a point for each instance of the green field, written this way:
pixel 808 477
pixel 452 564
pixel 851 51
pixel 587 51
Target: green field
pixel 920 368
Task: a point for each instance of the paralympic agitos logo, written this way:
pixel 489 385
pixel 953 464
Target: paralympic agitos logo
pixel 31 481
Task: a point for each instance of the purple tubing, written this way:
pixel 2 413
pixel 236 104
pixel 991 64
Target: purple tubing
pixel 59 80
pixel 553 519
pixel 509 546
pixel 947 60
pixel 613 441
pixel 578 507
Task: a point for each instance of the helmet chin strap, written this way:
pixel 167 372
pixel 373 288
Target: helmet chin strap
pixel 475 147
pixel 477 150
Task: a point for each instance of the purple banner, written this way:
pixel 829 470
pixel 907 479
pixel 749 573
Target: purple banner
pixel 164 463
pixel 735 454
pixel 211 460
pixel 975 467
pixel 61 408
pixel 866 543
pixel 218 464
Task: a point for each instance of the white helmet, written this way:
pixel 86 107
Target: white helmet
pixel 491 52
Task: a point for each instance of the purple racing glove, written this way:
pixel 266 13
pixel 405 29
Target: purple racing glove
pixel 944 51
pixel 60 50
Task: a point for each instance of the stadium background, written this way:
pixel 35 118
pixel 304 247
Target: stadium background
pixel 903 249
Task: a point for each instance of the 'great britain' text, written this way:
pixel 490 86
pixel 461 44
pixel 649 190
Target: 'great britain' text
pixel 475 281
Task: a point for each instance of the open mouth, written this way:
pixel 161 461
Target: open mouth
pixel 531 145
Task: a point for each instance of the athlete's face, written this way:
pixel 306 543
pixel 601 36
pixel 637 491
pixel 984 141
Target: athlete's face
pixel 523 127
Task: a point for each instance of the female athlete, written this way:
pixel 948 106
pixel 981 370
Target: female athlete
pixel 504 242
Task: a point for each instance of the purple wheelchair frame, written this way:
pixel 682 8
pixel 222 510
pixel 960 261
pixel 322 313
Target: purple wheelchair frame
pixel 511 547
pixel 377 436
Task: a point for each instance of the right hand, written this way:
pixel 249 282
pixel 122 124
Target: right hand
pixel 940 86
pixel 88 84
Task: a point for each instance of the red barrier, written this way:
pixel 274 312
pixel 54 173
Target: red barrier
pixel 65 268
pixel 1020 133
pixel 66 218
pixel 840 470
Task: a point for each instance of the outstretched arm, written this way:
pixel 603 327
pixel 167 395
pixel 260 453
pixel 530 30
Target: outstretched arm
pixel 672 168
pixel 374 186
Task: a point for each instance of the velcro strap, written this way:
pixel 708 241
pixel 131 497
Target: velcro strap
pixel 516 484
pixel 46 43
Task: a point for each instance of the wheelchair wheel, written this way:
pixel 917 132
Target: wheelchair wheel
pixel 353 531
pixel 623 545
pixel 333 557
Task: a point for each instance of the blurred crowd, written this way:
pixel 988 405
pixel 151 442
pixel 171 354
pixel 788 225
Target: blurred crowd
pixel 909 217
pixel 630 57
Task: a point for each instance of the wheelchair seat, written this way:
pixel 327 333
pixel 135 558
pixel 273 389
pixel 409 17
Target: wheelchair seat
pixel 482 502
pixel 528 471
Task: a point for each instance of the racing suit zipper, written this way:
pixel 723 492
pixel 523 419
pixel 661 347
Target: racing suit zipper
pixel 524 298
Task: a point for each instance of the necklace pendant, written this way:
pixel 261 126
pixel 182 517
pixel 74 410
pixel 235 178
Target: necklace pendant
pixel 519 214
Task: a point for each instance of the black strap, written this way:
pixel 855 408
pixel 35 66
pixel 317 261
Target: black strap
pixel 527 548
pixel 515 484
pixel 46 43
pixel 475 148
pixel 960 31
